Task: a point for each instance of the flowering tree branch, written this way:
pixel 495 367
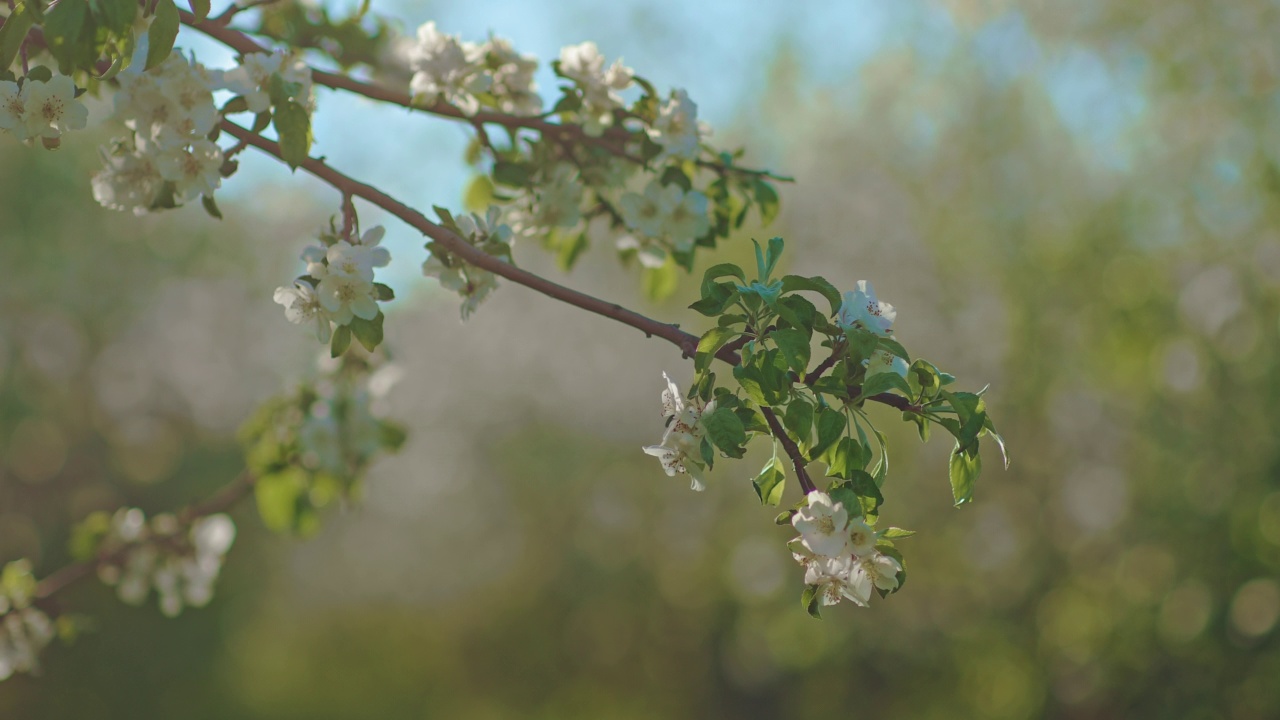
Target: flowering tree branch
pixel 611 139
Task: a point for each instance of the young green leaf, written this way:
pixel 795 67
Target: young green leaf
pixel 770 483
pixel 163 33
pixel 293 125
pixel 794 344
pixel 368 332
pixel 795 283
pixel 726 431
pixel 341 341
pixel 13 33
pixel 965 468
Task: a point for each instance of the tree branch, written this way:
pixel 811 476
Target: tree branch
pixel 612 139
pixel 793 452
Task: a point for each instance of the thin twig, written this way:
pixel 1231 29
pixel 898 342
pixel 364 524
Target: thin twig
pixel 793 452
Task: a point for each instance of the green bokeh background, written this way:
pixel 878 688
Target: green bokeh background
pixel 1076 203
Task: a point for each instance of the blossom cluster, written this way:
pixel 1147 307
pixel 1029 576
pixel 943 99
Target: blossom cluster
pixel 862 311
pixel 838 553
pixel 167 157
pixel 181 564
pixel 338 286
pixel 681 448
pixel 43 109
pixel 25 630
pixel 462 73
pixel 471 283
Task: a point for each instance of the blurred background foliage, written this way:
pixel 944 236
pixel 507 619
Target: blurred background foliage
pixel 1075 202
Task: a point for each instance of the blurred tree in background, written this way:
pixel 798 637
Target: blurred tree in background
pixel 1075 202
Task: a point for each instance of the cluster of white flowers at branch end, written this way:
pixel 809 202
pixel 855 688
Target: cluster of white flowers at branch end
pixel 584 65
pixel 167 158
pixel 838 553
pixel 181 567
pixel 25 630
pixel 463 73
pixel 664 213
pixel 472 283
pixel 862 311
pixel 338 286
pixel 41 109
pixel 681 448
pixel 252 80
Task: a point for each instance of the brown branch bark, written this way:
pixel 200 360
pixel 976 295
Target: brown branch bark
pixel 793 452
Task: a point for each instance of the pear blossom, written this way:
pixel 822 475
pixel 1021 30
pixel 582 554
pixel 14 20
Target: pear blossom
pixel 687 220
pixel 345 297
pixel 823 525
pixel 472 283
pixel 512 78
pixel 194 171
pixel 880 570
pixel 647 213
pixel 882 361
pixel 52 108
pixel 862 539
pixel 252 79
pixel 13 109
pixel 128 180
pixel 863 311
pixel 676 128
pixel 445 67
pixel 359 259
pixel 302 305
pixel 585 66
pixel 679 451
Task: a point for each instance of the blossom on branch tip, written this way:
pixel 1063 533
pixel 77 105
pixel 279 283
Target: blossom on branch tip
pixel 302 305
pixel 253 77
pixel 39 109
pixel 512 83
pixel 446 68
pixel 823 525
pixel 680 449
pixel 861 310
pixel 647 213
pixel 345 297
pixel 882 361
pixel 194 171
pixel 584 65
pixel 676 128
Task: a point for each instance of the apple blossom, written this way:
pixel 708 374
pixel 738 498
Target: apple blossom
pixel 822 525
pixel 863 311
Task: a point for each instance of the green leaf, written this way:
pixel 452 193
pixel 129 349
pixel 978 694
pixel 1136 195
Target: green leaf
pixel 799 420
pixel 846 457
pixel 710 343
pixel 715 272
pixel 277 497
pixel 570 250
pixel 384 292
pixel 726 431
pixel 770 483
pixel 659 283
pixel 479 194
pixel 200 8
pixel 794 344
pixel 810 601
pixel 715 299
pixel 13 33
pixel 894 533
pixel 163 33
pixel 511 174
pixel 210 206
pixel 831 424
pixel 88 534
pixel 673 175
pixel 767 199
pixel 795 283
pixel 341 341
pixel 368 332
pixel 117 16
pixel 965 468
pixel 41 73
pixel 884 382
pixel 64 26
pixel 293 126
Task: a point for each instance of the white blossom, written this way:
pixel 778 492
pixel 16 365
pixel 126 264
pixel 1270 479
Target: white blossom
pixel 345 297
pixel 823 525
pixel 52 107
pixel 862 539
pixel 676 128
pixel 359 259
pixel 585 66
pixel 252 79
pixel 512 78
pixel 472 283
pixel 302 305
pixel 648 213
pixel 679 451
pixel 128 180
pixel 687 220
pixel 863 311
pixel 194 170
pixel 445 67
pixel 882 361
pixel 482 229
pixel 13 109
